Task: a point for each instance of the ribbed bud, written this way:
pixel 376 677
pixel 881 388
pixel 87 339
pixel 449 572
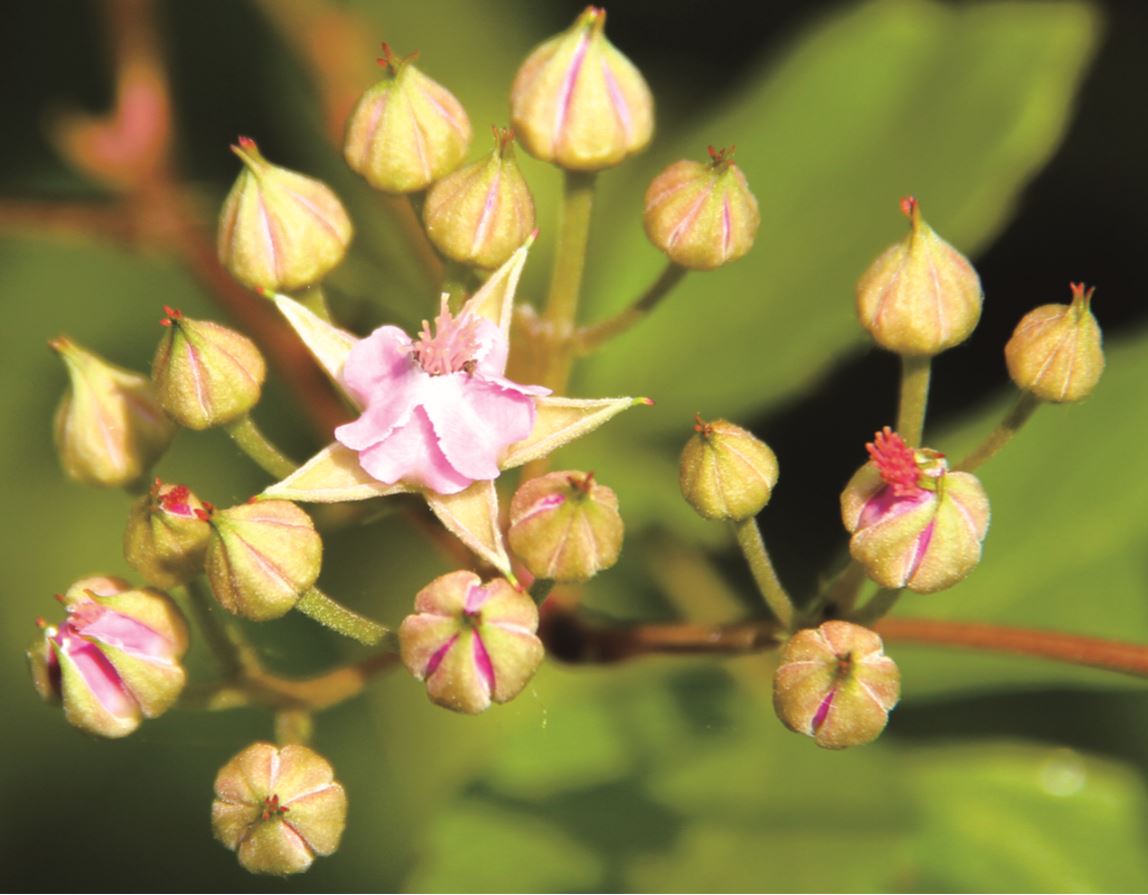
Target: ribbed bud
pixel 206 374
pixel 1055 351
pixel 115 659
pixel 166 536
pixel 726 473
pixel 702 214
pixel 262 557
pixel 921 295
pixel 834 683
pixel 109 427
pixel 481 214
pixel 579 103
pixel 407 131
pixel 278 808
pixel 280 230
pixel 914 523
pixel 564 526
pixel 472 643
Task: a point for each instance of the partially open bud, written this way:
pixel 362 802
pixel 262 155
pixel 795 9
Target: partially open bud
pixel 278 229
pixel 702 214
pixel 1055 350
pixel 726 473
pixel 472 643
pixel 579 103
pixel 109 428
pixel 206 374
pixel 565 526
pixel 915 524
pixel 481 214
pixel 834 683
pixel 262 557
pixel 167 535
pixel 407 131
pixel 115 659
pixel 921 295
pixel 278 808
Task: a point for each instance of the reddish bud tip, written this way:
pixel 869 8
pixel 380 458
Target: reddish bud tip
pixel 247 143
pixel 908 206
pixel 702 427
pixel 896 462
pixel 1081 293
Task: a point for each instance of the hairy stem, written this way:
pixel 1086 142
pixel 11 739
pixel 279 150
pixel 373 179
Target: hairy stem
pixel 318 606
pixel 255 445
pixel 753 548
pixel 590 338
pixel 915 372
pixel 1016 417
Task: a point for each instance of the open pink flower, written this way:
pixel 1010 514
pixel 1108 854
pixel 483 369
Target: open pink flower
pixel 438 411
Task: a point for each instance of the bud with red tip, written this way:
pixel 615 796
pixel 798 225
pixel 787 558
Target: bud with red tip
pixel 726 473
pixel 166 535
pixel 1055 351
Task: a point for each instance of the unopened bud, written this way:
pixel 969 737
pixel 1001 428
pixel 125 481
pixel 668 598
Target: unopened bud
pixel 564 526
pixel 702 215
pixel 206 374
pixel 579 103
pixel 921 295
pixel 407 130
pixel 262 557
pixel 167 535
pixel 278 808
pixel 280 230
pixel 109 428
pixel 115 659
pixel 726 473
pixel 914 523
pixel 834 683
pixel 1055 351
pixel 472 643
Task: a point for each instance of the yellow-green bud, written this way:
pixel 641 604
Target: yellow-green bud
pixel 579 103
pixel 166 536
pixel 280 230
pixel 726 473
pixel 1055 351
pixel 109 428
pixel 921 295
pixel 702 214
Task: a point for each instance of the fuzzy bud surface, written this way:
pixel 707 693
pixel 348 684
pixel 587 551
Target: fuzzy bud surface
pixel 1055 351
pixel 166 538
pixel 726 473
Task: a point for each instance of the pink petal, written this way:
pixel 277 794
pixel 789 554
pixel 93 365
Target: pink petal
pixel 378 365
pixel 492 351
pixel 411 453
pixel 476 420
pixel 127 634
pixel 98 674
pixel 885 504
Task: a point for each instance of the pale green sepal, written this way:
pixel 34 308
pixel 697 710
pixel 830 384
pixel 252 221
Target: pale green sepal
pixel 561 420
pixel 329 344
pixel 332 476
pixel 472 516
pixel 495 300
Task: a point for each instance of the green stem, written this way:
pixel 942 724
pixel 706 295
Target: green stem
pixel 256 446
pixel 293 727
pixel 590 338
pixel 753 547
pixel 318 606
pixel 878 606
pixel 915 373
pixel 1017 416
pixel 236 657
pixel 840 593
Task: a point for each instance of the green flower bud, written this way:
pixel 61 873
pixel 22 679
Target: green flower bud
pixel 110 428
pixel 1055 351
pixel 564 526
pixel 262 557
pixel 834 683
pixel 206 374
pixel 407 131
pixel 279 230
pixel 166 536
pixel 278 808
pixel 702 215
pixel 472 643
pixel 921 295
pixel 481 214
pixel 579 103
pixel 726 473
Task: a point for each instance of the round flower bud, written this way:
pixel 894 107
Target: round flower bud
pixel 109 428
pixel 262 557
pixel 921 295
pixel 278 229
pixel 407 131
pixel 278 808
pixel 206 374
pixel 914 523
pixel 115 659
pixel 167 535
pixel 834 683
pixel 579 103
pixel 564 526
pixel 1055 350
pixel 702 215
pixel 726 473
pixel 481 214
pixel 472 643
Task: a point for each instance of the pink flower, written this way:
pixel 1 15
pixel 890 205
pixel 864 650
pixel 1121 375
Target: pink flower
pixel 438 411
